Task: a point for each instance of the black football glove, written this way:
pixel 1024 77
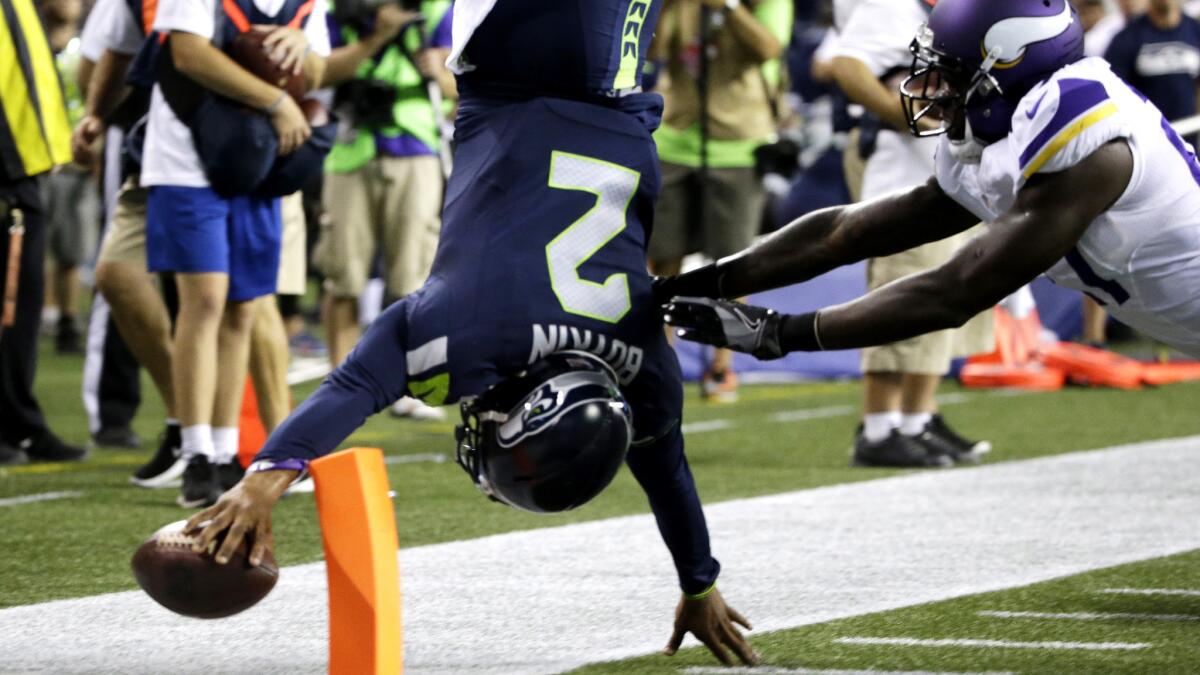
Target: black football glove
pixel 724 323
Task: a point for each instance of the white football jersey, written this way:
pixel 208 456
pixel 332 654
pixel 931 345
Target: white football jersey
pixel 1141 258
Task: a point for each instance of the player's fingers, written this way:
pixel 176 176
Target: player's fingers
pixel 736 616
pixel 735 641
pixel 218 519
pixel 262 542
pixel 233 538
pixel 675 641
pixel 715 647
pixel 699 336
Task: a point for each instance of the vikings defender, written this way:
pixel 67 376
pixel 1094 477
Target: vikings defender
pixel 1080 177
pixel 538 311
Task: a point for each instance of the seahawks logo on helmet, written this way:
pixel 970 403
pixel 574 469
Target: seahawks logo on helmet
pixel 549 402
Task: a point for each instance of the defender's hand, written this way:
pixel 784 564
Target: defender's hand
pixel 290 125
pixel 711 621
pixel 287 46
pixel 246 509
pixel 724 323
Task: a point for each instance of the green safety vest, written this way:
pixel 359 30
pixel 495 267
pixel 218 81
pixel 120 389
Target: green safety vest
pixel 412 114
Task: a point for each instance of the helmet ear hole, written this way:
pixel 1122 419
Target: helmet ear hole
pixel 548 439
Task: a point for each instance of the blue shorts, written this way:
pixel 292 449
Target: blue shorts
pixel 190 229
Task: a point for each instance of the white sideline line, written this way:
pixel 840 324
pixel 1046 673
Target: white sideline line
pixel 1152 591
pixel 812 413
pixel 851 545
pixel 41 497
pixel 435 457
pixel 997 644
pixel 706 426
pixel 761 670
pixel 1088 616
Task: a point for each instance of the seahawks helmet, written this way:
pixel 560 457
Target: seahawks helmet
pixel 549 438
pixel 975 59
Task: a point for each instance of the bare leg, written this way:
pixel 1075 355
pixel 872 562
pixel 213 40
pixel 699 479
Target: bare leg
pixel 142 318
pixel 918 392
pixel 269 362
pixel 1094 318
pixel 201 306
pixel 882 392
pixel 233 348
pixel 66 286
pixel 341 327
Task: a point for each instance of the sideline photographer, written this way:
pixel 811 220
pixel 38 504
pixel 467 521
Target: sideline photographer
pixel 383 184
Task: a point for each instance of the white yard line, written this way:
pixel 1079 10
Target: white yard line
pixel 812 413
pixel 41 497
pixel 1152 591
pixel 705 426
pixel 1089 616
pixel 993 644
pixel 767 670
pixel 416 458
pixel 547 600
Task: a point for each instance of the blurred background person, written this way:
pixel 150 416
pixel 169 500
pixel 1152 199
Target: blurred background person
pixel 1100 35
pixel 70 191
pixel 384 178
pixel 1159 54
pixel 721 85
pixel 901 425
pixel 34 138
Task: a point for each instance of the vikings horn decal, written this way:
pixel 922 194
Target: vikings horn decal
pixel 1013 35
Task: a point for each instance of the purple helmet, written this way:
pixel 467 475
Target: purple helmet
pixel 977 58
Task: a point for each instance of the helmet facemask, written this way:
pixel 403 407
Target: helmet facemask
pixel 944 88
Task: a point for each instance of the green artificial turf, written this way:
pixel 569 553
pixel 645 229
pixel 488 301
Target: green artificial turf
pixel 81 546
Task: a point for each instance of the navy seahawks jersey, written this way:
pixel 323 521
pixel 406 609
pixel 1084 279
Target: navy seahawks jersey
pixel 566 48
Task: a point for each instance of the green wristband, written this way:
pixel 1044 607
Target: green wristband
pixel 702 594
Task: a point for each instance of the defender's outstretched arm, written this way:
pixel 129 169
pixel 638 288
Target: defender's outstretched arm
pixel 827 239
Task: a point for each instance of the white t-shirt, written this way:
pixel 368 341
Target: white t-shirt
pixel 169 157
pixel 878 32
pixel 110 25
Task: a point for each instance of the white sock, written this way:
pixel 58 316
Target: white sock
pixel 225 444
pixel 878 426
pixel 912 424
pixel 197 440
pixel 172 422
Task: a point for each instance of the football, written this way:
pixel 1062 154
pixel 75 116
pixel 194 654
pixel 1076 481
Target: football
pixel 193 584
pixel 248 51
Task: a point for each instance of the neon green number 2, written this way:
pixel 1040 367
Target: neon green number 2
pixel 614 187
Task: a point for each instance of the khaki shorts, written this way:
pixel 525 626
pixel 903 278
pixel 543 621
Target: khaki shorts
pixel 125 238
pixel 928 354
pixel 732 213
pixel 392 204
pixel 292 264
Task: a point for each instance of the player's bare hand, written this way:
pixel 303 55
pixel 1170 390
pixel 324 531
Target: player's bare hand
pixel 290 125
pixel 430 62
pixel 84 138
pixel 390 19
pixel 243 511
pixel 712 622
pixel 287 47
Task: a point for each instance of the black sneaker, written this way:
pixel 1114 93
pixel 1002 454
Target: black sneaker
pixel 944 440
pixel 66 340
pixel 10 456
pixel 229 474
pixel 46 447
pixel 117 437
pixel 200 486
pixel 897 450
pixel 165 468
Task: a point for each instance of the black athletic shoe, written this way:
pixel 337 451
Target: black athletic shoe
pixel 10 456
pixel 229 474
pixel 200 486
pixel 944 440
pixel 896 450
pixel 117 437
pixel 165 468
pixel 66 340
pixel 46 447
